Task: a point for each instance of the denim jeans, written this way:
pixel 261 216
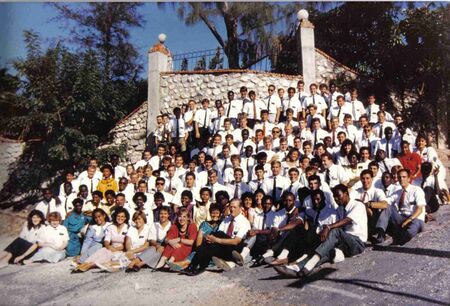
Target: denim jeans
pixel 338 238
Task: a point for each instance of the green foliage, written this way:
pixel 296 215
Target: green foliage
pixel 249 27
pixel 60 110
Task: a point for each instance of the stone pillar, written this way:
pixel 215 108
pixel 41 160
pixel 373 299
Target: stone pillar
pixel 306 50
pixel 159 60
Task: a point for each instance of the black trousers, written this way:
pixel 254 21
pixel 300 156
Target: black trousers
pixel 207 251
pixel 299 241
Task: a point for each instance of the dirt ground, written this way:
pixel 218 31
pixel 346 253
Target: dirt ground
pixel 417 273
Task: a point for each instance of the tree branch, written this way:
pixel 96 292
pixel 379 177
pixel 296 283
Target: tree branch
pixel 254 62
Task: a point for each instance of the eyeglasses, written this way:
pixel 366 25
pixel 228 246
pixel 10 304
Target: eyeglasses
pixel 159 183
pixel 270 90
pixel 278 132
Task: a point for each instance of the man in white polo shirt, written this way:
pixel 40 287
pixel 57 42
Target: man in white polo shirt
pixel 220 245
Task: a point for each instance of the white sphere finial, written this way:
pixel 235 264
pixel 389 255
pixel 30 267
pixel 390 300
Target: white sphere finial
pixel 302 14
pixel 162 37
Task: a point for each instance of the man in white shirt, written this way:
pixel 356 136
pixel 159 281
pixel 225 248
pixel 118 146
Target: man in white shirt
pixel 127 190
pixel 407 209
pixel 372 109
pixel 189 118
pixel 172 183
pixel 218 122
pixel 237 188
pixel 272 104
pixel 146 155
pixel 356 107
pixel 264 125
pixel 229 171
pixel 312 108
pixel 382 124
pixel 334 174
pixel 233 108
pixel 202 121
pixel 349 128
pixel 293 103
pixel 276 183
pixel 334 130
pixel 70 178
pixel 67 197
pixel 118 170
pixel 316 99
pixel 189 184
pixel 301 94
pixel 318 134
pixel 345 237
pixel 91 179
pixel 214 185
pixel 223 162
pixel 156 161
pixel 253 109
pixel 378 210
pixel 177 129
pixel 49 205
pixel 221 244
pixel 339 110
pixel 387 144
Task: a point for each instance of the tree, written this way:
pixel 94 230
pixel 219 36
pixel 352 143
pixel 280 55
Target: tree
pixel 61 113
pixel 104 28
pixel 248 26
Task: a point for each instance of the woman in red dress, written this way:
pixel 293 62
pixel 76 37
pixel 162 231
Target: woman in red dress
pixel 179 240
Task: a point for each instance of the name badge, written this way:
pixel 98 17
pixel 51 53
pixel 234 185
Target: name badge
pixel 61 234
pixel 140 237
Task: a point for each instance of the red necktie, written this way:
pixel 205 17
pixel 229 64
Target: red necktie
pixel 230 228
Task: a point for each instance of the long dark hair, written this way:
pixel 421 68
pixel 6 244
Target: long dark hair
pixel 33 213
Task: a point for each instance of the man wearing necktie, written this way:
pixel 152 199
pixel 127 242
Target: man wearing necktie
pixel 407 210
pixel 220 245
pixel 202 120
pixel 378 210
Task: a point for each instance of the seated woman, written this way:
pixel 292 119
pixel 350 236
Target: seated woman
pixel 74 223
pixel 114 242
pixel 25 244
pixel 201 209
pixel 206 228
pixel 179 240
pixel 95 234
pixel 52 240
pixel 136 242
pixel 157 237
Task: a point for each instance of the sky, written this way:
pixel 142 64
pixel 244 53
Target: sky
pixel 17 17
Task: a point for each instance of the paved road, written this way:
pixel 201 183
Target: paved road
pixel 415 274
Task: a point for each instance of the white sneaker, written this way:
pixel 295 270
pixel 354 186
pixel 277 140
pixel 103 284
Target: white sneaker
pixel 339 256
pixel 293 267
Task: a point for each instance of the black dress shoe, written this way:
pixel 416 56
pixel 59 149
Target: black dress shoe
pixel 303 272
pixel 283 270
pixel 258 262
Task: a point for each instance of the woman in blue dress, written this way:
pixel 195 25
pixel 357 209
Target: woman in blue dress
pixel 95 234
pixel 205 228
pixel 74 224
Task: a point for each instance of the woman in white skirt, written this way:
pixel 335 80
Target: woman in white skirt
pixel 114 242
pixel 135 243
pixel 52 241
pixel 25 244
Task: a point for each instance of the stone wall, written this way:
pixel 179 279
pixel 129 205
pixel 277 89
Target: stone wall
pixel 327 69
pixel 178 87
pixel 10 151
pixel 131 130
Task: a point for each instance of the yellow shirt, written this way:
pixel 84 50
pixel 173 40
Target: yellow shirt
pixel 107 184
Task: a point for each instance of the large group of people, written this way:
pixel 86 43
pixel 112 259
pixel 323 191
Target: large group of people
pixel 291 180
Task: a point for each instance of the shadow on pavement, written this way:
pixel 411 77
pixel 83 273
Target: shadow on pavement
pixel 416 251
pixel 321 276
